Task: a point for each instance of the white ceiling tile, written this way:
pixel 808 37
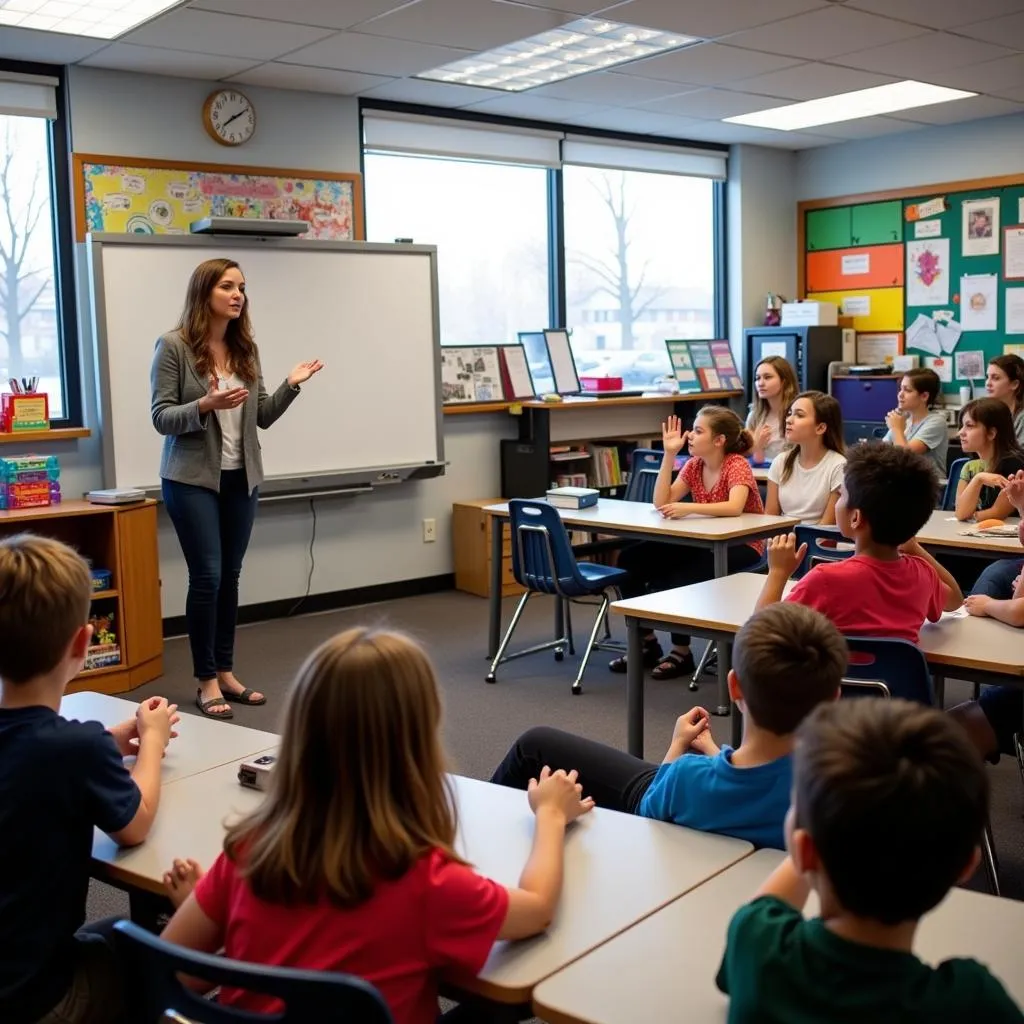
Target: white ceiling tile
pixel 609 87
pixel 1014 93
pixel 926 58
pixel 999 77
pixel 866 128
pixel 47 47
pixel 812 81
pixel 375 55
pixel 1008 31
pixel 292 76
pixel 938 13
pixel 420 90
pixel 731 134
pixel 153 60
pixel 224 34
pixel 525 105
pixel 326 13
pixel 707 20
pixel 707 64
pixel 643 122
pixel 712 104
pixel 472 24
pixel 974 108
pixel 824 33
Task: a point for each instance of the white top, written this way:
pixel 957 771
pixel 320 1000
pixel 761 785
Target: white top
pixel 231 455
pixel 806 493
pixel 777 441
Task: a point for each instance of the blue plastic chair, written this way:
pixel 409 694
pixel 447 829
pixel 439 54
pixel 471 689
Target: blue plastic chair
pixel 952 479
pixel 543 562
pixel 644 466
pixel 155 992
pixel 821 544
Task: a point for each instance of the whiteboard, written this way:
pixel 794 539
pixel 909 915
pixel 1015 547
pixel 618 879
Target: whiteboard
pixel 369 311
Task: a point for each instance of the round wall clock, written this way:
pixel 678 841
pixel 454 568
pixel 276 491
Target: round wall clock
pixel 229 117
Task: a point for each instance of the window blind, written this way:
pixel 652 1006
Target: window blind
pixel 28 95
pixel 631 156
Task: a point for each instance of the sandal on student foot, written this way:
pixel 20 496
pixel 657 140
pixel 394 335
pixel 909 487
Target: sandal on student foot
pixel 674 665
pixel 652 655
pixel 206 706
pixel 245 697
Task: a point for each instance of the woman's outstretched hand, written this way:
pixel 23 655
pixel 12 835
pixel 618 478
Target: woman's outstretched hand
pixel 301 373
pixel 222 398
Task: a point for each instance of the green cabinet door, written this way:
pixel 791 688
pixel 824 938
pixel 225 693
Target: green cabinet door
pixel 828 229
pixel 877 223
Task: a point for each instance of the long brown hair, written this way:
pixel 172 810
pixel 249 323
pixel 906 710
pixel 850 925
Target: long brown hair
pixel 828 411
pixel 194 324
pixel 994 414
pixel 1013 366
pixel 738 440
pixel 762 410
pixel 359 791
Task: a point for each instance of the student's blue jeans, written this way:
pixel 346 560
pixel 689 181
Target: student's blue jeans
pixel 997 579
pixel 213 530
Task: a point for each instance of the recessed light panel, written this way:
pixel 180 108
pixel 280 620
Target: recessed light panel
pixel 100 19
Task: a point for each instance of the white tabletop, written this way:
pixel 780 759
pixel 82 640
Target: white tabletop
pixel 201 744
pixel 611 514
pixel 670 959
pixel 956 641
pixel 945 529
pixel 636 865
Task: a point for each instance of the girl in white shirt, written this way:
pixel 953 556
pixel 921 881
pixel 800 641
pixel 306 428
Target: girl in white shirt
pixel 804 481
pixel 775 387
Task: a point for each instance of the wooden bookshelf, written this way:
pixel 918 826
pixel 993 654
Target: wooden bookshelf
pixel 123 539
pixel 32 436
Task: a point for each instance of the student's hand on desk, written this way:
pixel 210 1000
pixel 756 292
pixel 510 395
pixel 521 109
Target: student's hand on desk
pixel 676 509
pixel 688 727
pixel 156 718
pixel 303 371
pixel 126 734
pixel 784 557
pixel 558 791
pixel 673 437
pixel 977 604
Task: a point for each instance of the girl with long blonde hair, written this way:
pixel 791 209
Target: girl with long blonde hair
pixel 349 863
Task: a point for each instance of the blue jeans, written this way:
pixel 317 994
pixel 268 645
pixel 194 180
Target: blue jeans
pixel 997 579
pixel 213 530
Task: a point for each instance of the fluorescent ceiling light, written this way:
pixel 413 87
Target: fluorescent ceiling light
pixel 848 106
pixel 589 44
pixel 100 19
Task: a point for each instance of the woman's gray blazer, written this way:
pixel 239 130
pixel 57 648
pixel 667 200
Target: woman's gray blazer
pixel 192 441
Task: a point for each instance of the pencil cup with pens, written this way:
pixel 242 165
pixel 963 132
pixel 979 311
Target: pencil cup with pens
pixel 24 408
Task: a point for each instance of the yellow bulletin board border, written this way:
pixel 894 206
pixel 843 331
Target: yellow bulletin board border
pixel 134 195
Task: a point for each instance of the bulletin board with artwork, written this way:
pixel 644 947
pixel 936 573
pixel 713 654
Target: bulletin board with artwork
pixel 943 265
pixel 139 195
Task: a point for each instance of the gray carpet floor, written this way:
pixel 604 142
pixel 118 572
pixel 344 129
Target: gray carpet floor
pixel 481 720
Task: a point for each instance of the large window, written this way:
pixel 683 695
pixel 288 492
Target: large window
pixel 32 322
pixel 489 222
pixel 639 268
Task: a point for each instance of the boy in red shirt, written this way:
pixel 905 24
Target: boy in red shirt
pixel 890 585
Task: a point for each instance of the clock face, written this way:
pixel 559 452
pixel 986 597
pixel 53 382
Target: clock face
pixel 229 117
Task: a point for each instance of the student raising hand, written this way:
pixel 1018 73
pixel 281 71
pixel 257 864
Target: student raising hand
pixel 784 557
pixel 673 437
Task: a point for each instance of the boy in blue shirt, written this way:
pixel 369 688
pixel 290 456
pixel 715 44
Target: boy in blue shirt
pixel 889 803
pixel 787 659
pixel 59 779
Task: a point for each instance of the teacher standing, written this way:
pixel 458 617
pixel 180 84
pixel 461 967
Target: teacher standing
pixel 208 399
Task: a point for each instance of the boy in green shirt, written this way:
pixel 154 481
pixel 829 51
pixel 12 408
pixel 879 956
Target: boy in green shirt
pixel 889 803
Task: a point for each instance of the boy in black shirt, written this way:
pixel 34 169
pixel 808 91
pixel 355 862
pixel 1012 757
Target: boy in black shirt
pixel 58 779
pixel 889 802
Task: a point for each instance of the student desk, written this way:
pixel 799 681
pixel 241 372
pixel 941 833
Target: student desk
pixel 942 535
pixel 664 968
pixel 619 867
pixel 979 650
pixel 635 520
pixel 199 745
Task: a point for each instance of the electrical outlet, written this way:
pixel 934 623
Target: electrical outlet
pixel 429 531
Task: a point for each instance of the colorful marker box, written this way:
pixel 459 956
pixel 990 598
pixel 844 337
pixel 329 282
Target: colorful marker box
pixel 30 411
pixel 24 469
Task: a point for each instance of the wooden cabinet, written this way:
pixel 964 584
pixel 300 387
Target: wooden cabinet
pixel 471 544
pixel 122 539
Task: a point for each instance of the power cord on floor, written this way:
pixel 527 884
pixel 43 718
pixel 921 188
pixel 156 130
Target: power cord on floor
pixel 312 563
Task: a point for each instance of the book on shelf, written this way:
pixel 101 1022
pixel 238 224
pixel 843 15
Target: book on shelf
pixel 570 480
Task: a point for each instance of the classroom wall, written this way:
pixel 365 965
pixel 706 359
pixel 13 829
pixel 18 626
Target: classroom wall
pixel 360 541
pixel 956 152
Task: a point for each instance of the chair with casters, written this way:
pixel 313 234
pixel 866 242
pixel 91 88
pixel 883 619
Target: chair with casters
pixel 952 479
pixel 543 562
pixel 156 993
pixel 890 668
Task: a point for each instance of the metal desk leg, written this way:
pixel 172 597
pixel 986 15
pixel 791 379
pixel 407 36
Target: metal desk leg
pixel 634 688
pixel 724 651
pixel 494 608
pixel 736 725
pixel 720 552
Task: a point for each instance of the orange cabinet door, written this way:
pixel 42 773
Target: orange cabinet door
pixel 872 266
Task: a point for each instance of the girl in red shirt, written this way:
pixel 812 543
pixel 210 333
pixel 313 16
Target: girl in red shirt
pixel 718 481
pixel 349 864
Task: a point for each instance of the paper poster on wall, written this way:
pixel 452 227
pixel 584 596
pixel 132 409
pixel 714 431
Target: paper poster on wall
pixel 922 334
pixel 948 332
pixel 980 227
pixel 470 374
pixel 943 367
pixel 1013 350
pixel 773 348
pixel 878 349
pixel 1020 211
pixel 1013 254
pixel 928 229
pixel 970 365
pixel 857 305
pixel 928 272
pixel 978 302
pixel 1015 310
pixel 856 263
pixel 929 208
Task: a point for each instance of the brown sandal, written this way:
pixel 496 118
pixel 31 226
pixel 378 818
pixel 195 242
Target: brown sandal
pixel 674 665
pixel 214 702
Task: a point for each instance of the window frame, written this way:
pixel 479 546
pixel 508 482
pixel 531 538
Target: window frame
pixel 62 211
pixel 557 304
